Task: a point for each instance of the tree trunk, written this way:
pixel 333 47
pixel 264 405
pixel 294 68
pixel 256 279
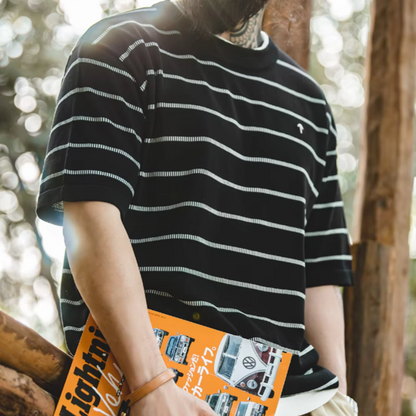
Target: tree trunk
pixel 20 396
pixel 287 22
pixel 25 351
pixel 376 307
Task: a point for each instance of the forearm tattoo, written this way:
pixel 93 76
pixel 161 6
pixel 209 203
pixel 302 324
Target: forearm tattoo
pixel 248 35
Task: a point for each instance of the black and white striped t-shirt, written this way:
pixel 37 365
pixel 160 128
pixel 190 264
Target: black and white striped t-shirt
pixel 222 162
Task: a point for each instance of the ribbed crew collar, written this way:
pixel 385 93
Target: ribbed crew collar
pixel 264 41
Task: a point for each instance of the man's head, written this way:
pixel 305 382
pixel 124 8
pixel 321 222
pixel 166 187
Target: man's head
pixel 213 17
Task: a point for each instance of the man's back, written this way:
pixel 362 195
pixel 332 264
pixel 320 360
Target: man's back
pixel 222 162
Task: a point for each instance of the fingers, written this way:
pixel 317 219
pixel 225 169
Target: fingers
pixel 208 413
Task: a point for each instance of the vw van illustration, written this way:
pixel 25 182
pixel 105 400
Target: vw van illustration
pixel 221 403
pixel 178 347
pixel 250 409
pixel 160 334
pixel 248 365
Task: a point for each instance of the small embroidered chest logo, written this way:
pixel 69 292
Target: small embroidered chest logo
pixel 301 128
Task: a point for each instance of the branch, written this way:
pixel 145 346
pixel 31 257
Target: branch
pixel 24 350
pixel 20 396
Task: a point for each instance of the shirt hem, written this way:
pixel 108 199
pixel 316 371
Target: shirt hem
pixel 340 277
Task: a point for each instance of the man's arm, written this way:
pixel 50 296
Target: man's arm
pixel 324 321
pixel 107 275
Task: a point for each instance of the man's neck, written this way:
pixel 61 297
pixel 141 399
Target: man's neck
pixel 247 35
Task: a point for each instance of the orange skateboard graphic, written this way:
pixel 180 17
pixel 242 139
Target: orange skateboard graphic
pixel 236 376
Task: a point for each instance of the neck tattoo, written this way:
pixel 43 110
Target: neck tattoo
pixel 248 35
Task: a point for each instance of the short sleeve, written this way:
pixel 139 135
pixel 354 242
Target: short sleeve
pixel 327 248
pixel 95 143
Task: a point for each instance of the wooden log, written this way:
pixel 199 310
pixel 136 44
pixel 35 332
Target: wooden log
pixel 20 396
pixel 287 22
pixel 376 307
pixel 25 351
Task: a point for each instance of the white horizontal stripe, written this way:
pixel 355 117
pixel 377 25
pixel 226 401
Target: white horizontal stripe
pixel 143 86
pixel 217 246
pixel 222 280
pixel 153 72
pixel 101 94
pixel 88 172
pixel 299 71
pixel 235 153
pixel 218 213
pixel 138 42
pixel 171 174
pixel 236 123
pixel 66 271
pixel 73 328
pixel 329 258
pixel 329 205
pixel 163 32
pixel 327 232
pixel 331 153
pixel 242 98
pixel 98 63
pixel 241 75
pixel 126 22
pixel 330 178
pixel 306 350
pixel 97 120
pixel 330 383
pixel 131 48
pixel 228 310
pixel 72 302
pixel 331 127
pixel 96 146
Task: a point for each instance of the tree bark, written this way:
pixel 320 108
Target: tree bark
pixel 20 396
pixel 367 326
pixel 287 22
pixel 25 351
pixel 376 307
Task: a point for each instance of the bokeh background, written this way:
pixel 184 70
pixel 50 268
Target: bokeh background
pixel 36 39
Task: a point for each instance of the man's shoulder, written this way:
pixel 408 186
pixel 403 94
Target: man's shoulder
pixel 124 29
pixel 299 79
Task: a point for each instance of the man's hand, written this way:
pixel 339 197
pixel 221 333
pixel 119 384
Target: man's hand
pixel 324 321
pixel 170 400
